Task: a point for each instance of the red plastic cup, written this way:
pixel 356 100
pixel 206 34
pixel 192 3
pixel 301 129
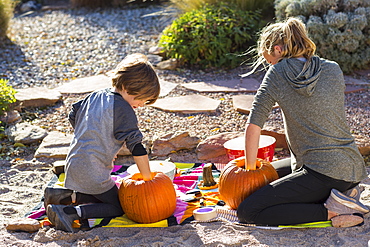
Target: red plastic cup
pixel 266 149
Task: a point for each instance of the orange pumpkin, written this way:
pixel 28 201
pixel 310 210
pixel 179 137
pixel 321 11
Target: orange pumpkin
pixel 147 201
pixel 236 183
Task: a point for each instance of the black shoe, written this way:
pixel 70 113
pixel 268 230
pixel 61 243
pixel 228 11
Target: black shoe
pixel 56 195
pixel 60 219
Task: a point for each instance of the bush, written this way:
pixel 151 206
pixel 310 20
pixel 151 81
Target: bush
pixel 6 13
pixel 213 35
pixel 339 28
pixel 7 96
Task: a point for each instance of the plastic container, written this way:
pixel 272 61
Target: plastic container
pixel 166 167
pixel 266 149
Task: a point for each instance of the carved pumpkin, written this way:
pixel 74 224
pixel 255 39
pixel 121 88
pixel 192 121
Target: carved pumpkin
pixel 236 183
pixel 147 201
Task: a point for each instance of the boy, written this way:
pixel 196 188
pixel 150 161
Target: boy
pixel 102 123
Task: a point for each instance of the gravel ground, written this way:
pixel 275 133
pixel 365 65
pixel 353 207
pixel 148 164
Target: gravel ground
pixel 53 47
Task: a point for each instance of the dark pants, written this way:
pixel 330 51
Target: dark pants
pixel 292 199
pixel 103 205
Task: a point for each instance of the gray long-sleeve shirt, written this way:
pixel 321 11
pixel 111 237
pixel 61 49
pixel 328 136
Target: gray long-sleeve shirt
pixel 102 122
pixel 311 97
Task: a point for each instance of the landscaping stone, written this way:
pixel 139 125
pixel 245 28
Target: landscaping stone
pixel 24 225
pixel 187 104
pixel 166 87
pixel 85 85
pixel 352 89
pixel 37 97
pixel 11 117
pixel 25 133
pixel 213 146
pixel 169 64
pixel 353 81
pixel 236 85
pixel 174 142
pixel 54 145
pixel 243 103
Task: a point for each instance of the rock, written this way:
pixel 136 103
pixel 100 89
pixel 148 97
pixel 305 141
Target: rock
pixel 11 117
pixel 170 64
pixel 55 145
pixel 174 142
pixel 235 85
pixel 187 104
pixel 37 97
pixel 25 133
pixel 280 138
pixel 58 167
pixel 363 144
pixel 213 146
pixel 156 50
pixel 24 224
pixel 166 87
pixel 85 85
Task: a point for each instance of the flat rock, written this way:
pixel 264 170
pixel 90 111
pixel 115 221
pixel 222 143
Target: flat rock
pixel 12 116
pixel 236 85
pixel 213 146
pixel 85 85
pixel 54 145
pixel 24 225
pixel 37 96
pixel 174 142
pixel 187 104
pixel 243 103
pixel 166 87
pixel 353 88
pixel 25 133
pixel 353 81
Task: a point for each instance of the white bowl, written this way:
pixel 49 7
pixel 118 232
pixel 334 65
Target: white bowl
pixel 166 167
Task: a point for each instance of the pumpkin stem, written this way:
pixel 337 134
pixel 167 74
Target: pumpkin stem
pixel 207 175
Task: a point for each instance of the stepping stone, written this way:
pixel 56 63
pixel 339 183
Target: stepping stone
pixel 353 81
pixel 85 85
pixel 187 104
pixel 243 103
pixel 166 87
pixel 37 96
pixel 236 85
pixel 54 145
pixel 352 89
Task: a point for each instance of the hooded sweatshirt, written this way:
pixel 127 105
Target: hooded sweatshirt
pixel 311 97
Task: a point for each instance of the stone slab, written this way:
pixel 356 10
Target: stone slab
pixel 243 103
pixel 166 87
pixel 37 96
pixel 353 89
pixel 236 85
pixel 85 85
pixel 54 145
pixel 187 104
pixel 353 81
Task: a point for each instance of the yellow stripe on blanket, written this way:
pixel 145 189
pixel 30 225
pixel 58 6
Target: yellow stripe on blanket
pixel 123 221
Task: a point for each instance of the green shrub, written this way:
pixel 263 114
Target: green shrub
pixel 338 27
pixel 250 5
pixel 6 13
pixel 7 96
pixel 212 36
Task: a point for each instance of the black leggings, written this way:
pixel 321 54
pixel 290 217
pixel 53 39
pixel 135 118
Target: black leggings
pixel 105 205
pixel 293 199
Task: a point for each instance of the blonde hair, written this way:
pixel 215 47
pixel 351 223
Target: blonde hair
pixel 291 35
pixel 136 75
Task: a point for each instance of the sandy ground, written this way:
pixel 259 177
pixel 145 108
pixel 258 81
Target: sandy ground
pixel 23 182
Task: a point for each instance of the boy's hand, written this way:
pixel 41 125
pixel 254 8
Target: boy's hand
pixel 142 163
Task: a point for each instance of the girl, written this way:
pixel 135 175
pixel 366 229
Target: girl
pixel 325 158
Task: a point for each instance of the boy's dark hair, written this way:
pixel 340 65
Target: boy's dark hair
pixel 136 75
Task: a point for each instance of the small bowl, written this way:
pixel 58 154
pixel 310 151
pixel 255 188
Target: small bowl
pixel 166 167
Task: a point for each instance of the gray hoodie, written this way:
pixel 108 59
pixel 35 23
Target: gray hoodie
pixel 311 96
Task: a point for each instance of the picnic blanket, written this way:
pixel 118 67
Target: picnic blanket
pixel 187 179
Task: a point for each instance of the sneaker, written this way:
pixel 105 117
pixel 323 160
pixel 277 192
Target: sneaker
pixel 56 195
pixel 355 192
pixel 346 220
pixel 342 204
pixel 60 219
